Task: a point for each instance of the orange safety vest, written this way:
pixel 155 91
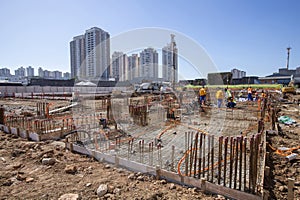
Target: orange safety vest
pixel 249 90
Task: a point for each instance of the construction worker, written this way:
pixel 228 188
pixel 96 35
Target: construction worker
pixel 263 94
pixel 231 103
pixel 227 93
pixel 202 94
pixel 219 97
pixel 102 121
pixel 250 94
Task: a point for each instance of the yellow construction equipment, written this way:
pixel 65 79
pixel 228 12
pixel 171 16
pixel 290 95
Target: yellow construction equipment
pixel 290 88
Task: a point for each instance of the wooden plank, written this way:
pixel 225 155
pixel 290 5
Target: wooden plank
pixel 230 193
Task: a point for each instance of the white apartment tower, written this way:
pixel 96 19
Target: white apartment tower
pixel 90 55
pixel 170 61
pixel 97 45
pixel 149 63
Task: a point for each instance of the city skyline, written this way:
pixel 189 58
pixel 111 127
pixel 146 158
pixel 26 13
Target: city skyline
pixel 30 72
pixel 251 36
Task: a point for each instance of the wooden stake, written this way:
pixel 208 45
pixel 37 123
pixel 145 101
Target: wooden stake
pixel 220 159
pixel 212 157
pixel 196 155
pixel 236 141
pixel 231 160
pixel 240 162
pixel 245 162
pixel 203 171
pixel 225 159
pixel 200 155
pixel 208 156
pixel 290 195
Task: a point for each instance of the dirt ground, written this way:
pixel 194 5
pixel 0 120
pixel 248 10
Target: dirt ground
pixel 281 169
pixel 23 175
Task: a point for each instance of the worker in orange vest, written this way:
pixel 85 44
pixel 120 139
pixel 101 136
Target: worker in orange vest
pixel 250 94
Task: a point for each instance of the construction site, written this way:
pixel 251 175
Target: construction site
pixel 226 151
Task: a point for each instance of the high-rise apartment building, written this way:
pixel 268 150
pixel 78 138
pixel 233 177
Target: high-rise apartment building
pixel 149 63
pixel 133 66
pixel 66 75
pixel 47 74
pixel 170 61
pixel 90 54
pixel 40 72
pixel 30 71
pixel 56 75
pixel 77 55
pixel 5 72
pixel 118 65
pixel 20 72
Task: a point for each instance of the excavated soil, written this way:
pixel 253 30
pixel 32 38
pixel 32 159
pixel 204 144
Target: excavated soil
pixel 23 175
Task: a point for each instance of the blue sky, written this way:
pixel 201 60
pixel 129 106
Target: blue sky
pixel 249 35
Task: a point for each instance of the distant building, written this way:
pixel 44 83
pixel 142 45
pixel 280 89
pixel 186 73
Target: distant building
pixel 198 81
pixel 245 80
pixel 170 61
pixel 275 79
pixel 56 75
pixel 287 72
pixel 20 72
pixel 283 76
pixel 97 47
pixel 51 82
pixel 77 56
pixel 298 70
pixel 30 71
pixel 221 78
pixel 119 66
pixel 149 64
pixel 67 75
pixel 133 66
pixel 236 73
pixel 40 72
pixel 47 74
pixel 4 72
